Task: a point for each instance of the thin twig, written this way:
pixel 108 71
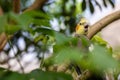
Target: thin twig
pixel 3 40
pixel 16 6
pixel 1 11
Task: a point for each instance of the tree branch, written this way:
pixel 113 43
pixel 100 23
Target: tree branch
pixel 98 26
pixel 3 37
pixel 36 5
pixel 1 11
pixel 3 40
pixel 16 6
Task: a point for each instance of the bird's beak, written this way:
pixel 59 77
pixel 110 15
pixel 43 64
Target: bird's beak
pixel 77 27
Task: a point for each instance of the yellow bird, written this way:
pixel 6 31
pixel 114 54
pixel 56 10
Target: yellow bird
pixel 82 27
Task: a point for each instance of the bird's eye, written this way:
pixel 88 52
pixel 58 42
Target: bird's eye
pixel 80 23
pixel 86 26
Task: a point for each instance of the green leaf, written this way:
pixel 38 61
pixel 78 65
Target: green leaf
pixel 3 22
pixel 85 41
pixel 99 40
pixel 9 75
pixel 112 3
pixel 25 21
pixel 91 6
pixel 44 30
pixel 98 5
pixel 83 5
pixel 41 75
pixel 35 75
pixel 14 76
pixel 61 41
pixel 41 22
pixel 21 20
pixel 61 38
pixel 101 60
pixel 11 29
pixel 37 14
pixel 105 3
pixel 68 54
pixel 2 72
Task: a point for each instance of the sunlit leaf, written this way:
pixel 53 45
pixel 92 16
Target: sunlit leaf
pixel 100 59
pixel 99 40
pixel 11 29
pixel 68 54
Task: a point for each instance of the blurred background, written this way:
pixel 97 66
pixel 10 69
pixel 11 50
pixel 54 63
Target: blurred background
pixel 22 52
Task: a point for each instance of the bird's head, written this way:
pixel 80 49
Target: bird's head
pixel 82 27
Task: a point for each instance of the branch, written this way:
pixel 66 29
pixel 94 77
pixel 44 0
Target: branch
pixel 3 37
pixel 98 26
pixel 16 6
pixel 36 5
pixel 3 40
pixel 1 11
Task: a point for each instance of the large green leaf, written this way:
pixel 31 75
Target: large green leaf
pixel 11 29
pixel 34 75
pixel 101 60
pixel 68 54
pixel 41 75
pixel 62 41
pixel 21 20
pixel 9 75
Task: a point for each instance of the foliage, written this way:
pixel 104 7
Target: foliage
pixel 36 75
pixel 37 29
pixel 92 2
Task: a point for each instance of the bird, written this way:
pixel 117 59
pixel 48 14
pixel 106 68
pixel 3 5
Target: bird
pixel 81 31
pixel 82 27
